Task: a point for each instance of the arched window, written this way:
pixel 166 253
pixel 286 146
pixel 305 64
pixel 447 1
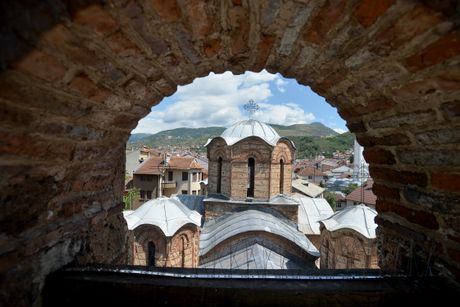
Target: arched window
pixel 151 254
pixel 183 247
pixel 219 175
pixel 281 176
pixel 251 171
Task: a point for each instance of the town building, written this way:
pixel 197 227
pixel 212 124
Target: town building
pixel 307 188
pixel 362 195
pixel 175 175
pixel 313 174
pixel 348 239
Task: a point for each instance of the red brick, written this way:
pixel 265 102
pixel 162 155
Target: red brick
pixel 240 34
pixel 441 50
pixel 167 10
pixel 324 20
pixel 379 156
pixel 384 192
pixel 59 35
pixel 372 106
pixel 411 24
pixel 387 140
pixel 454 254
pixel 368 11
pixel 448 182
pixel 96 17
pixel 404 177
pixel 264 48
pixel 357 127
pixel 422 218
pixel 198 19
pixel 451 109
pixel 82 84
pixel 211 47
pixel 41 65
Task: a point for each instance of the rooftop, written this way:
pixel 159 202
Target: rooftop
pixel 152 165
pixel 168 214
pixel 216 231
pixel 363 194
pixel 307 188
pixel 359 218
pixel 311 211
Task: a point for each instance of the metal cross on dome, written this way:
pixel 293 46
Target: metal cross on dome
pixel 251 107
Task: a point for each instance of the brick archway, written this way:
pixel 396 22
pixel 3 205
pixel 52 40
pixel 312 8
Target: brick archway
pixel 76 79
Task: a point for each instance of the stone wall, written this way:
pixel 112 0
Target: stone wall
pixel 180 250
pixel 183 249
pixel 251 147
pixel 347 249
pixel 216 208
pixel 77 76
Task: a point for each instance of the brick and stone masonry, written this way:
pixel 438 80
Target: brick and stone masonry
pixel 77 76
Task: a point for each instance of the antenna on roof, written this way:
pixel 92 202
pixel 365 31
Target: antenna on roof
pixel 251 107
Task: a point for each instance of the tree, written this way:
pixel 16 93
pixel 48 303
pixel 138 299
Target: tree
pixel 129 198
pixel 330 197
pixel 351 187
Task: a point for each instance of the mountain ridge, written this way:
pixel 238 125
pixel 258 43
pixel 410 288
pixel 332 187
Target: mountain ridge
pixel 313 130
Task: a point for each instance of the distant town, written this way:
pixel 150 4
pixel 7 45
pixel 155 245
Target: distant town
pixel 250 175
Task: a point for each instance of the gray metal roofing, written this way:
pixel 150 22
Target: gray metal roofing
pixel 217 231
pixel 168 214
pixel 193 202
pixel 359 218
pixel 254 256
pixel 311 211
pixel 248 128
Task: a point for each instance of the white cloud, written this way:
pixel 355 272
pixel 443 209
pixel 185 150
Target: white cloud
pixel 283 114
pixel 340 131
pixel 280 84
pixel 216 100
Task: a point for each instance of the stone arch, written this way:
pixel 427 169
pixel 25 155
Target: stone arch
pixel 143 235
pixel 75 82
pixel 183 250
pixel 283 150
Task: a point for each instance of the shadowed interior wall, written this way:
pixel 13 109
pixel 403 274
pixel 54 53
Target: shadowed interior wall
pixel 77 76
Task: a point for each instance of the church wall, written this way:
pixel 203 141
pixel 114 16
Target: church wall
pixel 215 209
pixel 251 147
pixel 282 151
pixel 183 248
pixel 347 249
pixel 142 236
pixel 169 252
pixel 218 149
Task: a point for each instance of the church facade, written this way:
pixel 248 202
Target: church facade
pixel 250 161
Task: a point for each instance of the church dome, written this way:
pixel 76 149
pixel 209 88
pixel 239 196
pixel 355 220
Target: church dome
pixel 248 128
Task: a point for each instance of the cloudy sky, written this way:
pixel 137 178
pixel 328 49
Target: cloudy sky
pixel 217 100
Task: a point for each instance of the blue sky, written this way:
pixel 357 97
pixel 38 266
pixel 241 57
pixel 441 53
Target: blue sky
pixel 217 100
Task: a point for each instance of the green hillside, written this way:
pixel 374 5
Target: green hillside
pixel 310 139
pixel 313 129
pixel 310 146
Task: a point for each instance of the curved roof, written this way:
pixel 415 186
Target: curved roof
pixel 247 128
pixel 311 211
pixel 217 231
pixel 168 214
pixel 359 218
pixel 255 256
